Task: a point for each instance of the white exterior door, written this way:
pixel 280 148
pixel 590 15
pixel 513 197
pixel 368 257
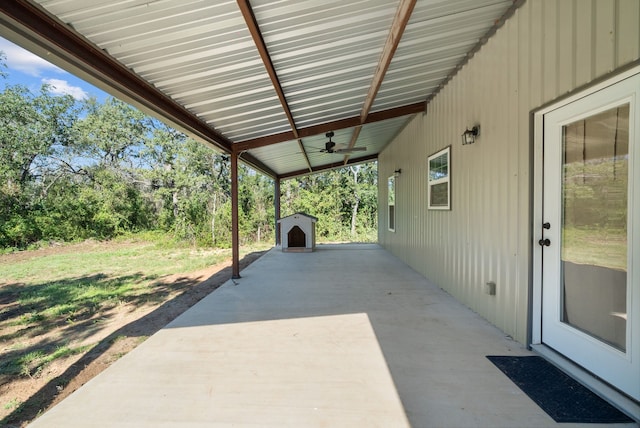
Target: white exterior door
pixel 590 236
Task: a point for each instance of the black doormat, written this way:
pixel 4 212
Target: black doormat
pixel 563 398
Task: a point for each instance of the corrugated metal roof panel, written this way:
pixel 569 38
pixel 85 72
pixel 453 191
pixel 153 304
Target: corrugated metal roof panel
pixel 437 38
pixel 282 158
pixel 376 136
pixel 317 46
pixel 373 136
pixel 200 53
pixel 325 53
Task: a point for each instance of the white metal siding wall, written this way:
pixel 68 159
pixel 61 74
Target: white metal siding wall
pixel 549 47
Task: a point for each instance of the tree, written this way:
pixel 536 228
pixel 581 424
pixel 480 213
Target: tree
pixel 3 65
pixel 356 198
pixel 33 129
pixel 72 170
pixel 344 200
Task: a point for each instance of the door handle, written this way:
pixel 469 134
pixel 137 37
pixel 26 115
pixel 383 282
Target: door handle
pixel 544 242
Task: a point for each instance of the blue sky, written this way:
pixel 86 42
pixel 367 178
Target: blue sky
pixel 32 71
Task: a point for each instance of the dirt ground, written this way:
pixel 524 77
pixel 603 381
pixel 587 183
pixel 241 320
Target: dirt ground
pixel 126 326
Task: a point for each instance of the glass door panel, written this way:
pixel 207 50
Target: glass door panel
pixel 594 225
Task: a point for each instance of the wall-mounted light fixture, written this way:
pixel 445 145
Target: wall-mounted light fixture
pixel 397 172
pixel 469 136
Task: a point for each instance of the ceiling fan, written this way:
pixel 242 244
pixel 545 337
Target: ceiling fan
pixel 330 146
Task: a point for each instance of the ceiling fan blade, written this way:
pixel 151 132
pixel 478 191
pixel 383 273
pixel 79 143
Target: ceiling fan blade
pixel 352 149
pixel 331 146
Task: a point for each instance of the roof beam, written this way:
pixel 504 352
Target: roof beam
pixel 256 34
pixel 403 13
pixel 256 164
pixel 400 20
pixel 352 143
pixel 329 126
pixel 328 166
pixel 70 50
pixel 306 156
pixel 252 25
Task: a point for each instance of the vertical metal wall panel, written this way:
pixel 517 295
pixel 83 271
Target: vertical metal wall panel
pixel 549 43
pixel 566 45
pixel 514 233
pixel 605 44
pixel 584 52
pixel 629 29
pixel 520 224
pixel 546 49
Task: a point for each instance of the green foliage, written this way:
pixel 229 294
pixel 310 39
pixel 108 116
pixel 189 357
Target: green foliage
pixel 333 197
pixel 74 170
pixel 33 129
pixel 32 363
pixel 595 212
pixel 12 404
pixel 3 65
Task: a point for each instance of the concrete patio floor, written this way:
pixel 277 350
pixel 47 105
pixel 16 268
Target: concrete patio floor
pixel 347 336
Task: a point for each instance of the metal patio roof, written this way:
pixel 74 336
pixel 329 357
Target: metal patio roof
pixel 265 78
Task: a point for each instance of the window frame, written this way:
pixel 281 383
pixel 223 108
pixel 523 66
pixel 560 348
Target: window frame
pixel 433 182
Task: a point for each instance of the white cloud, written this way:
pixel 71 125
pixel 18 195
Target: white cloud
pixel 24 61
pixel 62 87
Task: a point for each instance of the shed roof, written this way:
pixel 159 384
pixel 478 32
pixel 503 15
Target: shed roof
pixel 310 217
pixel 267 78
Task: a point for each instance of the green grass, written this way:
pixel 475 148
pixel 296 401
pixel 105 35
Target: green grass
pixel 142 256
pixel 598 247
pixel 12 404
pixel 73 285
pixel 32 363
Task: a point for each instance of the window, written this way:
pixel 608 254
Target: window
pixel 439 189
pixel 391 193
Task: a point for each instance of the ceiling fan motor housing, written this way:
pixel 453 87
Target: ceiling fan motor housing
pixel 329 145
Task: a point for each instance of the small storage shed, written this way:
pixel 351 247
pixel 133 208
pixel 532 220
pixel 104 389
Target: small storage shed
pixel 298 232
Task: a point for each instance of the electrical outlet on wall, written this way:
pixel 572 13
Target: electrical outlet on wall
pixel 490 288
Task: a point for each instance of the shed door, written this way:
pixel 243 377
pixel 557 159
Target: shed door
pixel 590 236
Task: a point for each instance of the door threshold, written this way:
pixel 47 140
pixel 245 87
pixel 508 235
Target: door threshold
pixel 611 395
